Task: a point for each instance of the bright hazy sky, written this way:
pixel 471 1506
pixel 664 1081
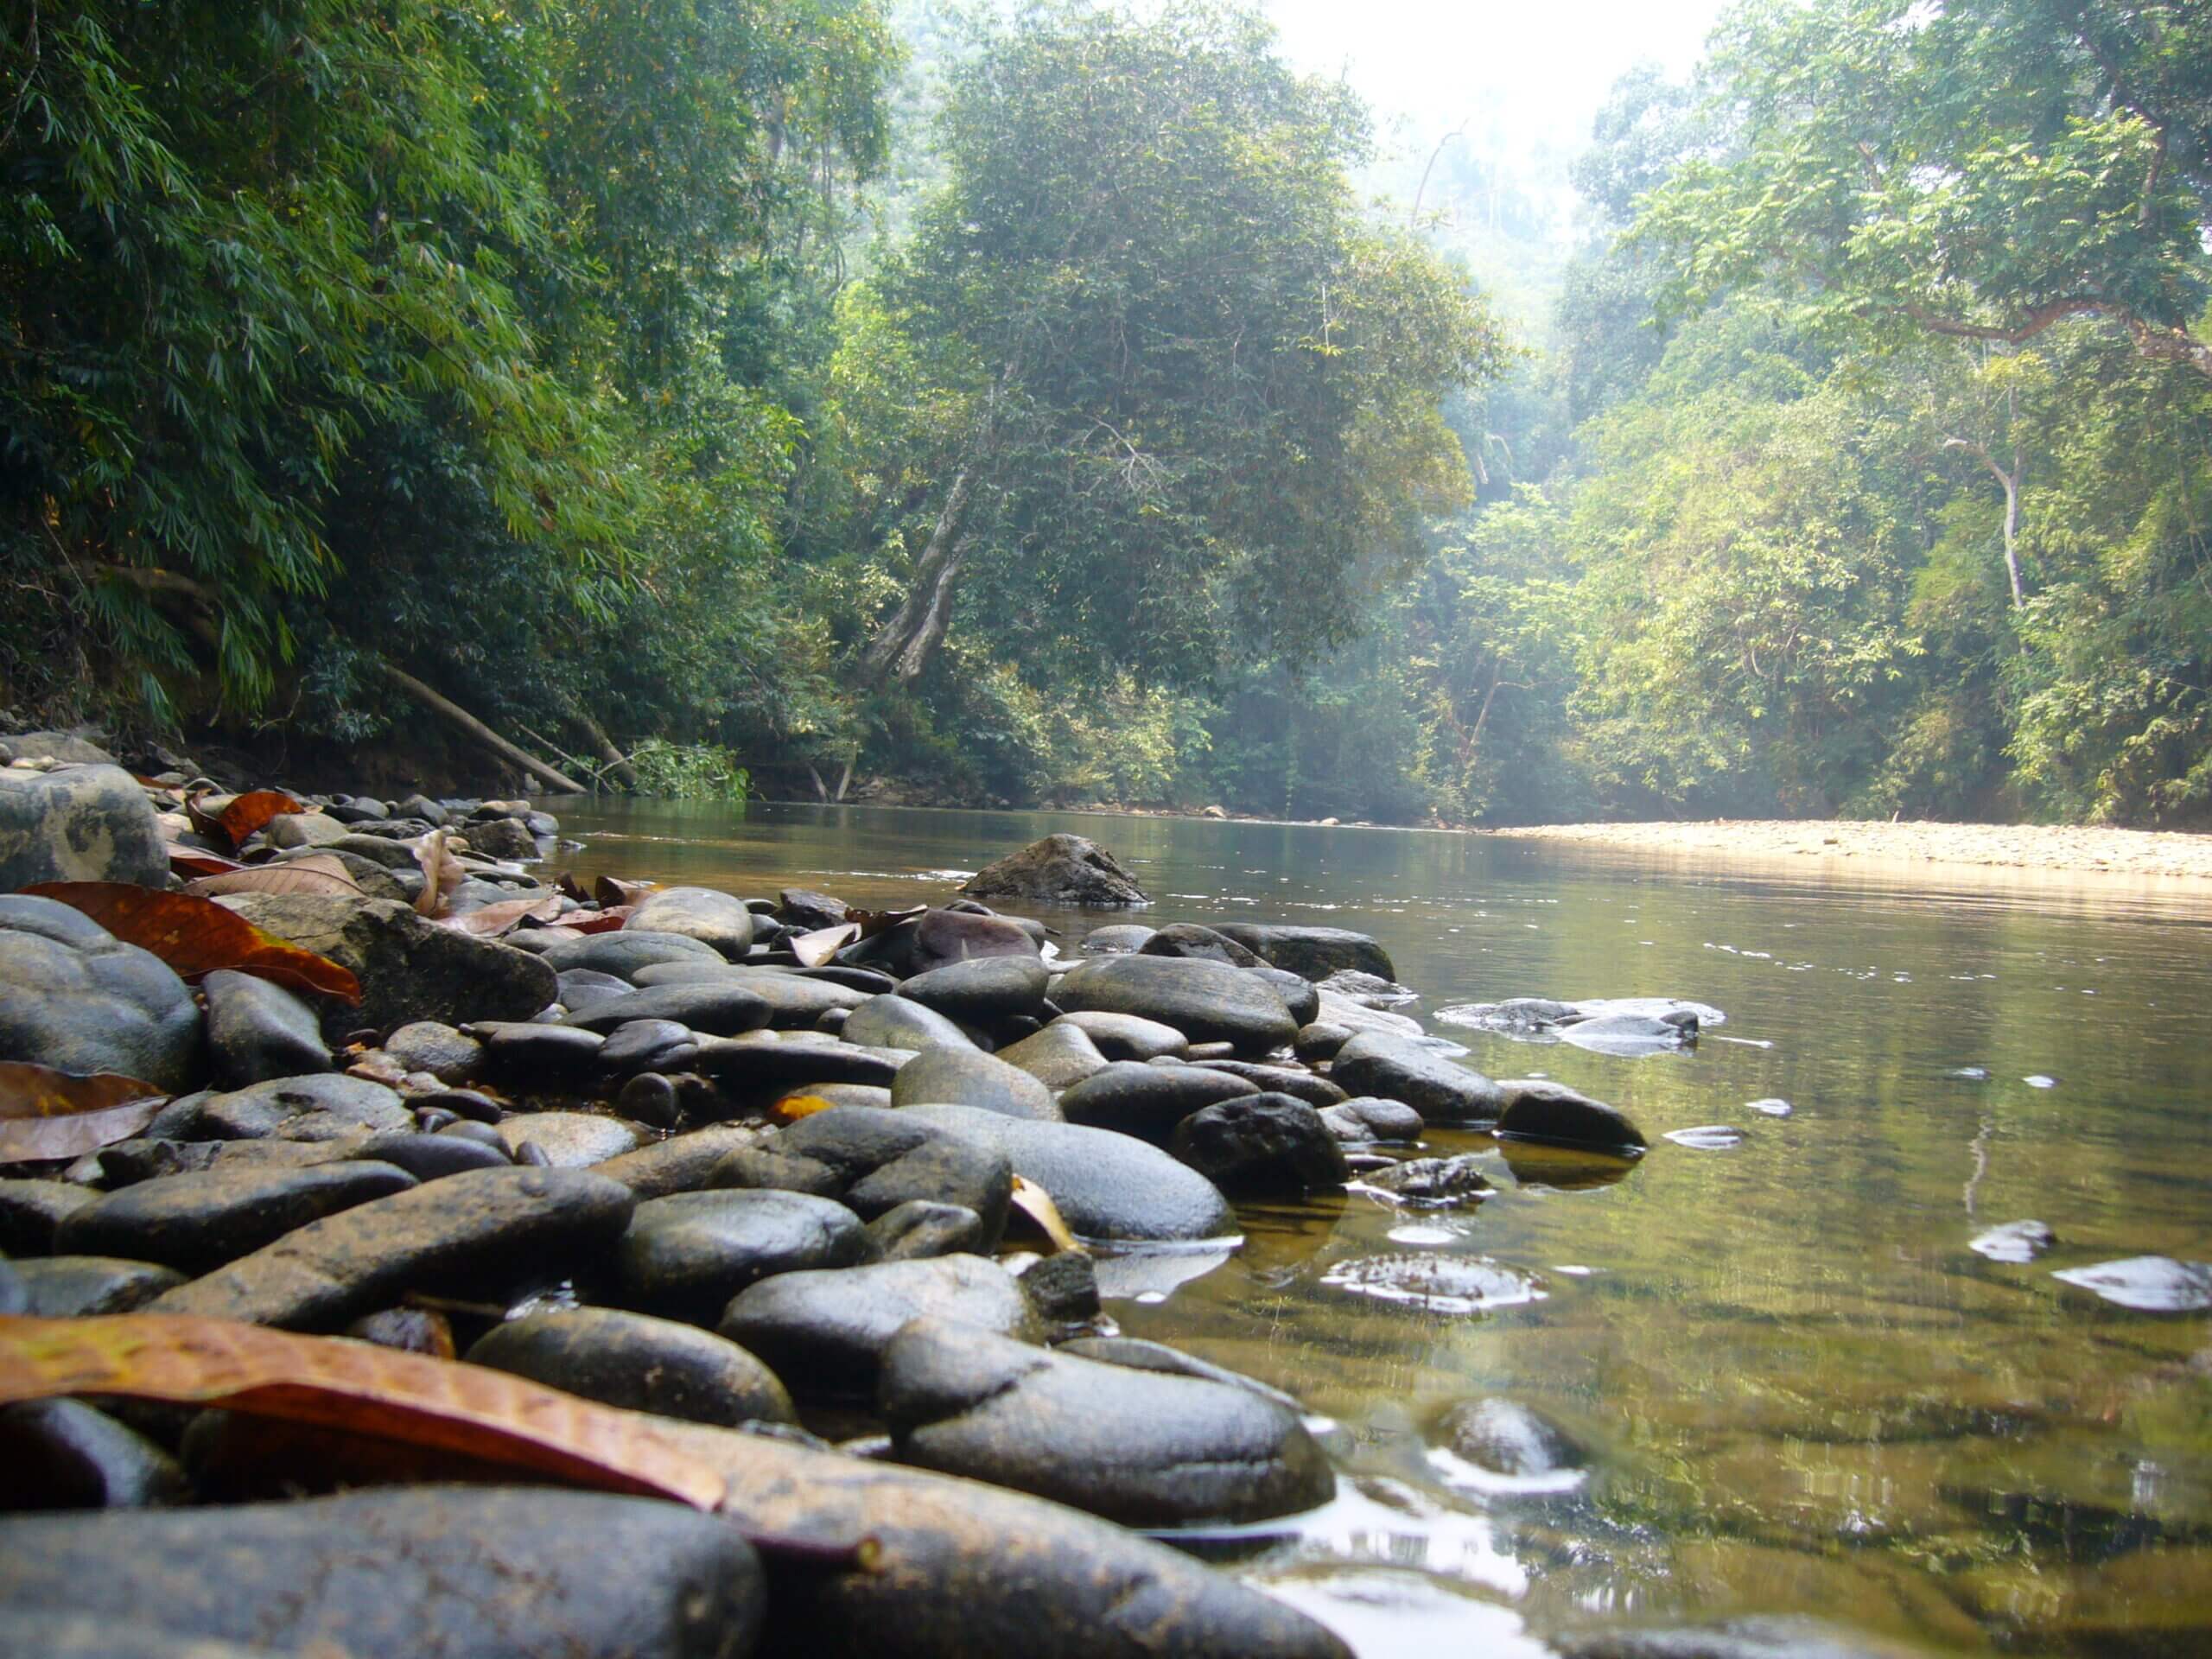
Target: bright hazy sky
pixel 1539 67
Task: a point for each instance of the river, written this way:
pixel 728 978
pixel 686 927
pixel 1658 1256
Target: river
pixel 1801 1390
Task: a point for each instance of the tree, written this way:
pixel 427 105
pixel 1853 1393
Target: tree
pixel 1201 391
pixel 1977 171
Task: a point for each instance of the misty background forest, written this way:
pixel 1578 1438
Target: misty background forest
pixel 1087 404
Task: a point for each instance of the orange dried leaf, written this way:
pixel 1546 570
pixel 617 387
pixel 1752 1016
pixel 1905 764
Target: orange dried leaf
pixel 483 1415
pixel 612 891
pixel 248 814
pixel 323 874
pixel 50 1113
pixel 494 920
pixel 606 921
pixel 197 936
pixel 793 1107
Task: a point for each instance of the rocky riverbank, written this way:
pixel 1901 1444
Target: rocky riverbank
pixel 357 1168
pixel 2068 849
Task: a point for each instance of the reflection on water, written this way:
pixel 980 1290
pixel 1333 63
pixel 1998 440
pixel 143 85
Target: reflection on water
pixel 1805 1390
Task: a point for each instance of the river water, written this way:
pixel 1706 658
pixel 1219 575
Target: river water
pixel 1801 1391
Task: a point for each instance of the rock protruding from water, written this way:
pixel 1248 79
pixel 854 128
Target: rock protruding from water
pixel 1374 1062
pixel 1207 1001
pixel 1069 870
pixel 1537 1108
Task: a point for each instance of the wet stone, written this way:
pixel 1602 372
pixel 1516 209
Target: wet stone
pixel 420 1573
pixel 1536 1108
pixel 652 1099
pixel 1059 1056
pixel 1137 1354
pixel 1107 1185
pixel 639 1363
pixel 2146 1284
pixel 1320 1041
pixel 686 1255
pixel 824 1333
pixel 981 988
pixel 1191 940
pixel 76 1287
pixel 432 1157
pixel 270 1108
pixel 571 1140
pixel 1059 869
pixel 711 1008
pixel 806 909
pixel 438 1049
pixel 31 1209
pixel 894 1022
pixel 1126 1036
pixel 795 1001
pixel 648 1046
pixel 579 988
pixel 257 1029
pixel 558 1056
pixel 475 1234
pixel 922 1228
pixel 1207 1001
pixel 1366 1119
pixel 881 1159
pixel 714 919
pixel 1315 1091
pixel 682 1165
pixel 195 1223
pixel 1116 939
pixel 62 1454
pixel 1139 1447
pixel 1313 953
pixel 1261 1144
pixel 1433 1084
pixel 1148 1101
pixel 623 951
pixel 74 997
pixel 1432 1182
pixel 1507 1438
pixel 773 1064
pixel 967 1077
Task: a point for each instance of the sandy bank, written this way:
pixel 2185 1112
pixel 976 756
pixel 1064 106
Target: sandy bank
pixel 2089 851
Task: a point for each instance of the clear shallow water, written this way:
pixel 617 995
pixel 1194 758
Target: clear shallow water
pixel 1803 1392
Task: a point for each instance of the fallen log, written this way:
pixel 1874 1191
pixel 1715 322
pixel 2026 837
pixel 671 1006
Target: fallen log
pixel 476 728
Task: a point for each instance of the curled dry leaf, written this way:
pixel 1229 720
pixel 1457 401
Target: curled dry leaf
pixel 494 921
pixel 605 921
pixel 872 922
pixel 322 873
pixel 612 891
pixel 441 873
pixel 814 949
pixel 249 813
pixel 192 861
pixel 197 936
pixel 50 1113
pixel 1034 1202
pixel 569 887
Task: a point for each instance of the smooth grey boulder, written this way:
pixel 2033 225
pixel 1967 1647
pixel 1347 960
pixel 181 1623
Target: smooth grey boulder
pixel 195 1223
pixel 579 988
pixel 1366 1119
pixel 891 1021
pixel 1127 1037
pixel 638 1363
pixel 874 1160
pixel 1148 1101
pixel 62 1454
pixel 1140 1355
pixel 623 951
pixel 1311 952
pixel 773 1063
pixel 1200 944
pixel 319 1106
pixel 1537 1108
pixel 1261 1145
pixel 304 832
pixel 75 1286
pixel 448 1055
pixel 424 1572
pixel 1143 1448
pixel 75 998
pixel 824 1333
pixel 684 1164
pixel 1107 1185
pixel 685 1255
pixel 79 823
pixel 257 1030
pixel 1059 870
pixel 806 909
pixel 960 933
pixel 712 1008
pixel 410 969
pixel 1301 997
pixel 1207 1001
pixel 715 918
pixel 1508 1438
pixel 501 838
pixel 431 1157
pixel 475 1234
pixel 1116 939
pixel 648 1046
pixel 1320 1041
pixel 1441 1090
pixel 981 988
pixel 795 1001
pixel 1316 1091
pixel 921 1227
pixel 571 1140
pixel 70 748
pixel 1060 1057
pixel 128 1162
pixel 946 1075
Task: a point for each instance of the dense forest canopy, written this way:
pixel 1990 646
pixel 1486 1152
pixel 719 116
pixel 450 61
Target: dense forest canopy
pixel 1079 402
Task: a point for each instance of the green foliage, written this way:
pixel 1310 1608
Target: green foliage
pixel 689 771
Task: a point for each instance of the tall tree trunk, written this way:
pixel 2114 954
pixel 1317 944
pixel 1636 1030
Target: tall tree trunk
pixel 2010 483
pixel 617 762
pixel 903 649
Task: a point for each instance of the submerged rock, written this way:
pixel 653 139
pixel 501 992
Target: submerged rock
pixel 1059 870
pixel 1144 1448
pixel 2016 1241
pixel 1434 1283
pixel 1505 1437
pixel 2147 1284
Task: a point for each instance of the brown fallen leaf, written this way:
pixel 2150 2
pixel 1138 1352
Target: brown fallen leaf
pixel 465 1409
pixel 1034 1202
pixel 569 887
pixel 197 936
pixel 872 922
pixel 612 891
pixel 248 814
pixel 323 874
pixel 50 1113
pixel 814 949
pixel 441 873
pixel 605 921
pixel 494 921
pixel 192 861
